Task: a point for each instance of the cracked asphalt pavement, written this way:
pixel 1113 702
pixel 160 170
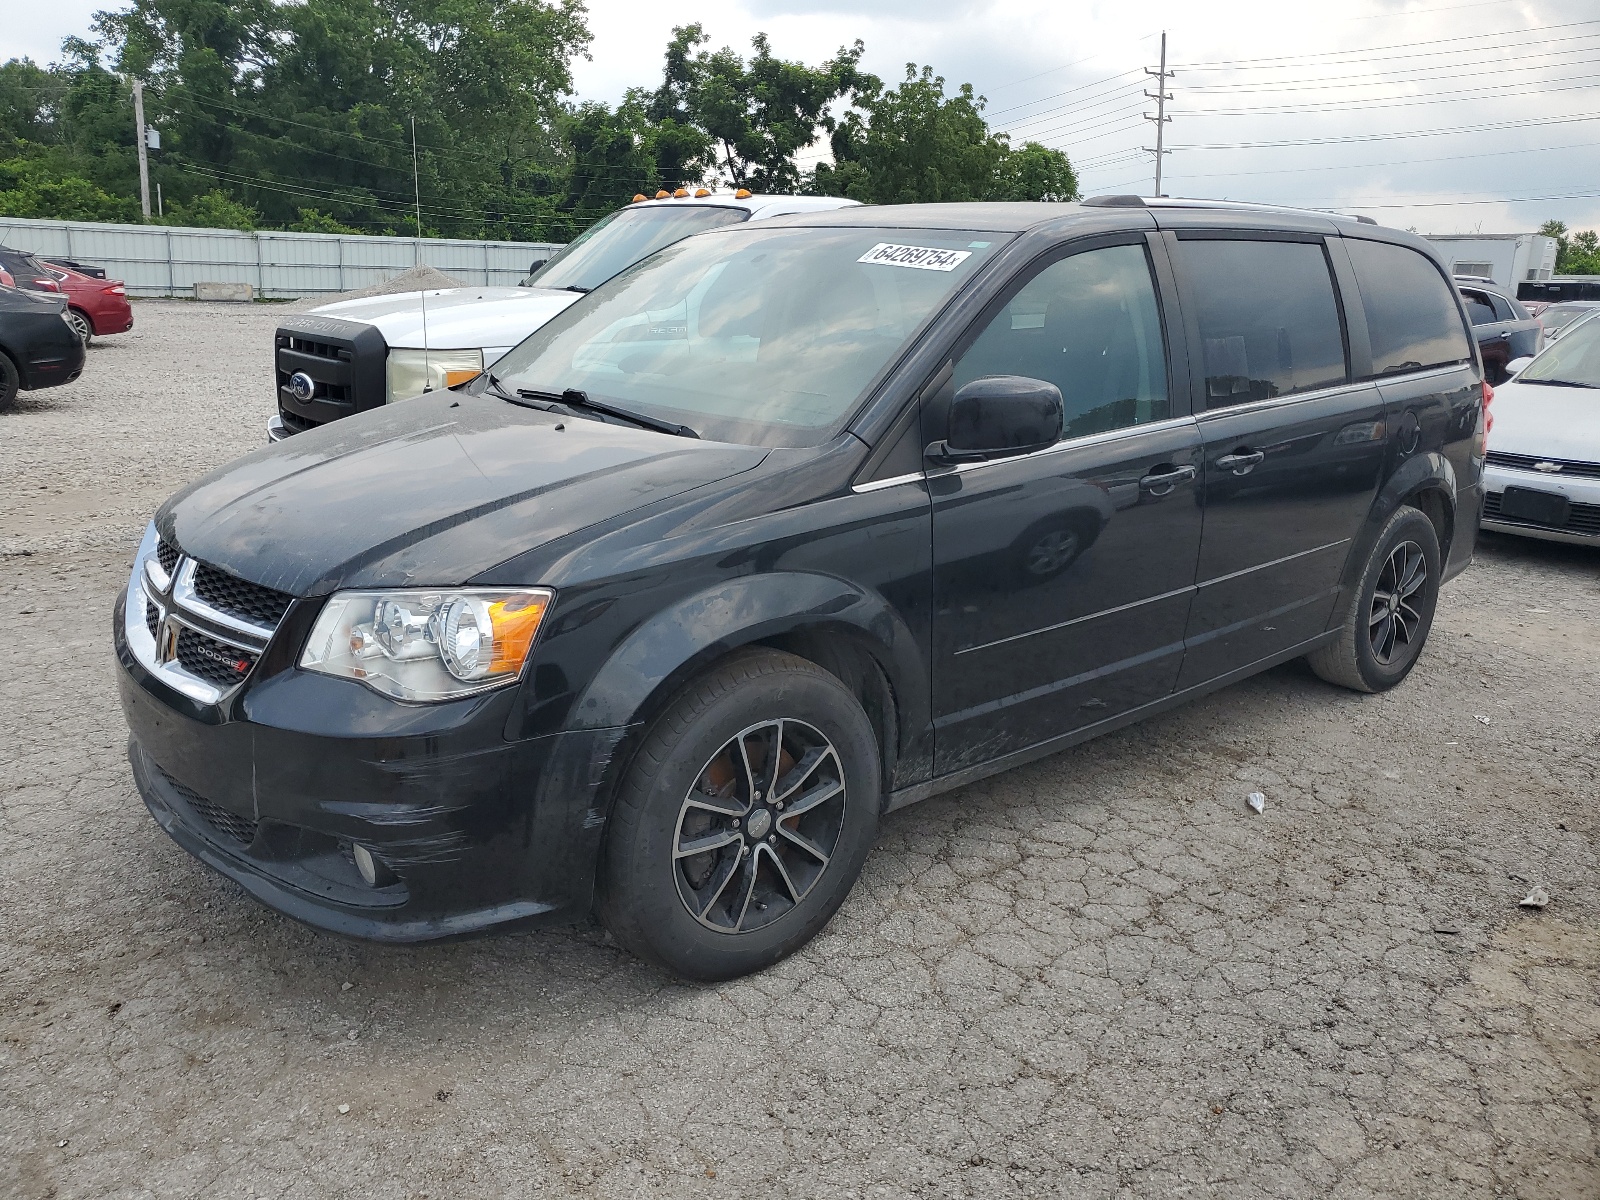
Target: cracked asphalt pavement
pixel 1101 975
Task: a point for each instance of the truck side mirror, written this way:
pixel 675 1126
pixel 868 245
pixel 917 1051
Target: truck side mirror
pixel 997 416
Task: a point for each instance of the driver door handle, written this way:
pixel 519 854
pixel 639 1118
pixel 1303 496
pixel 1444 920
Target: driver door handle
pixel 1241 461
pixel 1166 477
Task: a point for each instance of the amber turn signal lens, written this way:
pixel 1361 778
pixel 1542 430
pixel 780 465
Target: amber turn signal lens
pixel 456 378
pixel 515 623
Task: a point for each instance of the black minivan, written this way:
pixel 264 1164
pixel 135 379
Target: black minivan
pixel 784 528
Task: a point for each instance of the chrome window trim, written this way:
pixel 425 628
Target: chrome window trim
pixel 185 597
pixel 1066 444
pixel 877 485
pixel 1307 397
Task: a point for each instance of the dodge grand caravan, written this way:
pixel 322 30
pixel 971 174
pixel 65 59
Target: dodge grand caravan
pixel 795 524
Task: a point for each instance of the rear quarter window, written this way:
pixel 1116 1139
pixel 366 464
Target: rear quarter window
pixel 1412 318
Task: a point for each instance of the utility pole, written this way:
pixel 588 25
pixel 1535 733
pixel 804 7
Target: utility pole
pixel 1160 96
pixel 144 157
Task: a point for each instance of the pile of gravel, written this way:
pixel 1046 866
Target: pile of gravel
pixel 416 279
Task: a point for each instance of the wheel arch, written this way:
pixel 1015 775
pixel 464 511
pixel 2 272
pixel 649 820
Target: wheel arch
pixel 848 631
pixel 1426 482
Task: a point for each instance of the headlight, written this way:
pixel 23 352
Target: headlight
pixel 430 644
pixel 412 372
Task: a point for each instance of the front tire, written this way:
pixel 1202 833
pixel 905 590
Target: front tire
pixel 1388 616
pixel 744 819
pixel 10 381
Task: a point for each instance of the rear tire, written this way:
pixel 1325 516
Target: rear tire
pixel 81 325
pixel 780 850
pixel 1388 615
pixel 10 381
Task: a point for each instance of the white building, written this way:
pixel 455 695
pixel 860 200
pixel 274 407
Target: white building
pixel 1506 258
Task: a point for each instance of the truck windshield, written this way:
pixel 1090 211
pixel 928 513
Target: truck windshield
pixel 1574 361
pixel 765 336
pixel 615 243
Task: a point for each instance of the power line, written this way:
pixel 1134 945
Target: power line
pixel 1283 62
pixel 1382 137
pixel 1462 97
pixel 1407 163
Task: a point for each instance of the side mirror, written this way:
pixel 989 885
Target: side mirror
pixel 1516 365
pixel 1000 415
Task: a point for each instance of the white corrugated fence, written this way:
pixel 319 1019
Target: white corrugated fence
pixel 162 260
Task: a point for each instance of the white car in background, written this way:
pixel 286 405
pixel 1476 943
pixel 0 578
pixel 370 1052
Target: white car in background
pixel 1542 475
pixel 353 355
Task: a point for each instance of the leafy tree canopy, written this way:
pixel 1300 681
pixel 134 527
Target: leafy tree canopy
pixel 299 114
pixel 914 144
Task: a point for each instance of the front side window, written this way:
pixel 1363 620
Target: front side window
pixel 1269 323
pixel 613 244
pixel 763 335
pixel 1090 325
pixel 1412 318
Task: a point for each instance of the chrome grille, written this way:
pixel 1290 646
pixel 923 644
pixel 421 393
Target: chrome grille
pixel 211 659
pixel 254 603
pixel 197 628
pixel 1559 468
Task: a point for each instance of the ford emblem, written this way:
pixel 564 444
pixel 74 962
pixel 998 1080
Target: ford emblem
pixel 302 387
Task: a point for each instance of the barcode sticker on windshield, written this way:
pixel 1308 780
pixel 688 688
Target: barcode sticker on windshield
pixel 923 258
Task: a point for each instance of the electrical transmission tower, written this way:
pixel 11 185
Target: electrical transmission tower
pixel 1160 96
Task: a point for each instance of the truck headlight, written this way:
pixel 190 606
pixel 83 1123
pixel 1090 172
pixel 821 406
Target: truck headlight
pixel 412 372
pixel 427 645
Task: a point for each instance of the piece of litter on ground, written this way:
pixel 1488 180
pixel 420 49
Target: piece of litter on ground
pixel 1480 717
pixel 343 1108
pixel 1452 743
pixel 1537 898
pixel 345 987
pixel 60 1144
pixel 1256 801
pixel 1446 927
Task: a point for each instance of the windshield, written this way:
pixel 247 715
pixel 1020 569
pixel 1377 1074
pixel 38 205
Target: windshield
pixel 1558 316
pixel 613 244
pixel 767 336
pixel 1575 359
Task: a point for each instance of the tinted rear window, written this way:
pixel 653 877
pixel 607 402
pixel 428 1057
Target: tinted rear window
pixel 1412 317
pixel 1269 323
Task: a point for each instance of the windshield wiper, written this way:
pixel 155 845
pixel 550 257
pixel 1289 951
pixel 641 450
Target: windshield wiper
pixel 1555 382
pixel 498 388
pixel 573 287
pixel 574 398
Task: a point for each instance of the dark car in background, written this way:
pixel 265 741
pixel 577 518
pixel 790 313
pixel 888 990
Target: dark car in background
pixel 1504 329
pixel 795 523
pixel 38 347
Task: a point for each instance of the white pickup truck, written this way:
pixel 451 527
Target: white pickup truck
pixel 354 355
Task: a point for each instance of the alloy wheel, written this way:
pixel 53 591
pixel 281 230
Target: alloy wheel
pixel 759 826
pixel 1394 621
pixel 80 325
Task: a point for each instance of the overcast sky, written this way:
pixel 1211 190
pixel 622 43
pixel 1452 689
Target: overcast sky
pixel 1430 114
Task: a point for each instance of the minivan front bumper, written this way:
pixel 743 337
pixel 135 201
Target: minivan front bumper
pixel 276 785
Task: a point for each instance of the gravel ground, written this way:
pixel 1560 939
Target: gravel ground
pixel 1099 975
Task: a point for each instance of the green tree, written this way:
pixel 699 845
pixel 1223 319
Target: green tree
pixel 755 116
pixel 914 144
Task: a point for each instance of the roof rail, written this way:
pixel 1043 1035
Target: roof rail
pixel 1187 202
